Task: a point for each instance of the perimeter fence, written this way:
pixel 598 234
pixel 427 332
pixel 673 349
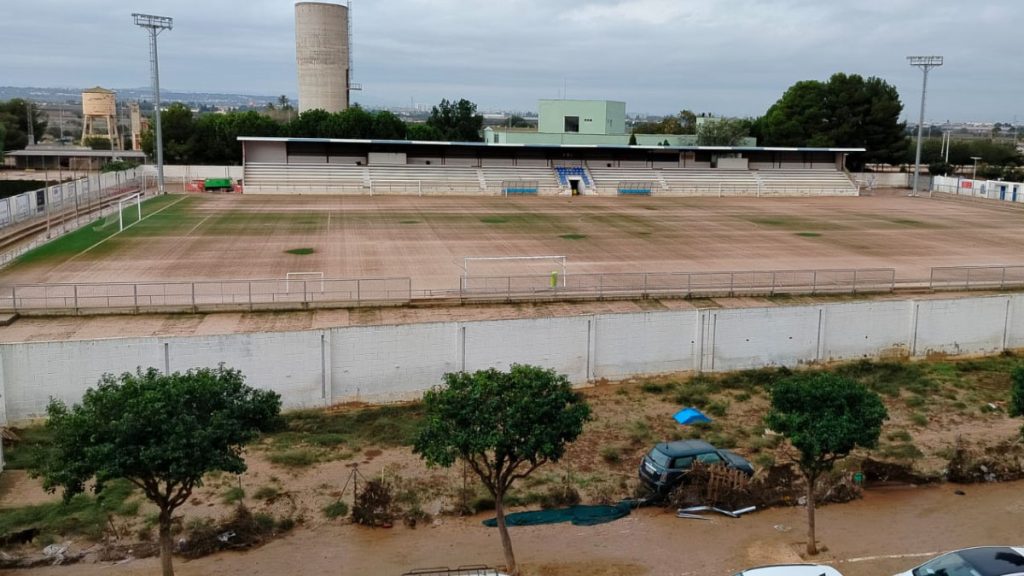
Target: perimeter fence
pixel 976 277
pixel 135 297
pixel 680 284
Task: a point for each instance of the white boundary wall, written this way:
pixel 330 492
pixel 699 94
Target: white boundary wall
pixel 389 363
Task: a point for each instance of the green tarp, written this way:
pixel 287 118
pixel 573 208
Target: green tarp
pixel 578 515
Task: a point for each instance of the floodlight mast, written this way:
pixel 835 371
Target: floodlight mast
pixel 925 63
pixel 155 25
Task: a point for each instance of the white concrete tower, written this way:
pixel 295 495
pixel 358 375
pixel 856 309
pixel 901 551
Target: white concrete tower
pixel 322 55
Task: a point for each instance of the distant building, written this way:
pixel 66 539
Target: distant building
pixel 587 123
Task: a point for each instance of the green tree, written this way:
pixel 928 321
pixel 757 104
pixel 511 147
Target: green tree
pixel 387 126
pixel 722 132
pixel 1017 391
pixel 423 133
pixel 824 416
pixel 456 121
pixel 632 139
pixel 847 110
pixel 98 143
pixel 3 135
pixel 517 121
pixel 505 425
pixel 179 134
pixel 14 116
pixel 160 432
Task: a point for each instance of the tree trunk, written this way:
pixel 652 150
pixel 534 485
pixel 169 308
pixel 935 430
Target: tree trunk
pixel 812 545
pixel 506 542
pixel 166 544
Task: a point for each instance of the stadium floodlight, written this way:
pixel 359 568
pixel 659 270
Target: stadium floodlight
pixel 925 63
pixel 155 25
pixel 974 174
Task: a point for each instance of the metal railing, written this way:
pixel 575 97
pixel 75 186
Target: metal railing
pixel 976 277
pixel 680 284
pixel 138 297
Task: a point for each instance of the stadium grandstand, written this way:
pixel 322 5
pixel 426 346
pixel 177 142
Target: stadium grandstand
pixel 328 166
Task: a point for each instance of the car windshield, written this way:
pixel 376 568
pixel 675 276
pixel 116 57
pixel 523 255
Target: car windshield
pixel 659 457
pixel 949 565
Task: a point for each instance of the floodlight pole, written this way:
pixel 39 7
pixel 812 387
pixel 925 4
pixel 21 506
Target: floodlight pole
pixel 925 63
pixel 155 25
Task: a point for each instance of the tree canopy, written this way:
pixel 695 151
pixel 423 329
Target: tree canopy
pixel 683 123
pixel 723 132
pixel 14 118
pixel 504 425
pixel 456 121
pixel 824 416
pixel 845 111
pixel 160 432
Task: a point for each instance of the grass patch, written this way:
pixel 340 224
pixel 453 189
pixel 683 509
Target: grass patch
pixel 295 458
pixel 902 451
pixel 300 251
pixel 408 221
pixel 393 425
pixel 267 493
pixel 573 236
pixel 76 242
pixel 233 495
pixel 611 455
pixel 494 220
pixel 28 450
pixel 85 515
pixel 337 509
pixel 808 234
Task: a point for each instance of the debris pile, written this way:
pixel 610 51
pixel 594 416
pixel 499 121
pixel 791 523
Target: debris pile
pixel 1002 462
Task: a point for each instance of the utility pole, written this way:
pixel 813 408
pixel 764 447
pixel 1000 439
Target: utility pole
pixel 925 63
pixel 155 25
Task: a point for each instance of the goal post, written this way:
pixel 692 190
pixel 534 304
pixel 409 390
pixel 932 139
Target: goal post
pixel 137 198
pixel 302 278
pixel 469 262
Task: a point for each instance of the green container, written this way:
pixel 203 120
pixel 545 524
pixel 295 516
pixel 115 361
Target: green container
pixel 211 183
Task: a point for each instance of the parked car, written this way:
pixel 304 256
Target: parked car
pixel 979 561
pixel 666 465
pixel 791 570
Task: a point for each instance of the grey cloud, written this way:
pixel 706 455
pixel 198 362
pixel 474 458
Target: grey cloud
pixel 725 56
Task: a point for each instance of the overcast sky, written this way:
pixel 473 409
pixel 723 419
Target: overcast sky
pixel 730 57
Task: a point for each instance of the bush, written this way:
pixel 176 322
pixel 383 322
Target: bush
pixel 482 504
pixel 560 497
pixel 233 495
pixel 374 504
pixel 335 510
pixel 1017 391
pixel 611 454
pixel 298 458
pixel 267 493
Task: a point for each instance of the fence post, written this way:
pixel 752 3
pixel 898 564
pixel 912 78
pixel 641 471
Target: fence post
pixel 814 282
pixel 644 294
pixel 193 296
pixel 732 281
pixel 968 278
pixel 135 296
pixel 14 297
pixel 359 292
pixel 249 283
pixel 1002 280
pixel 76 298
pixel 772 293
pixel 854 281
pixel 305 293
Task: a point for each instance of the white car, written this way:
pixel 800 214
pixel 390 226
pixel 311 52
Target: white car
pixel 791 570
pixel 979 561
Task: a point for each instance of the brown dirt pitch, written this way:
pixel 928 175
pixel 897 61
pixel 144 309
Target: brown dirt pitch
pixel 245 237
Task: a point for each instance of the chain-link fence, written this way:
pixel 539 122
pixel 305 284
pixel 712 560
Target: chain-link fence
pixel 685 284
pixel 287 294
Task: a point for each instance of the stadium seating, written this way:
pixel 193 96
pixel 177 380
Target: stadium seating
pixel 269 178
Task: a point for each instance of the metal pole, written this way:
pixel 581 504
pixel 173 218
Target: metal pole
pixel 155 64
pixel 925 63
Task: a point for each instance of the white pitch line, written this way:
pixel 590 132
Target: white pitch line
pixel 201 222
pixel 889 557
pixel 125 228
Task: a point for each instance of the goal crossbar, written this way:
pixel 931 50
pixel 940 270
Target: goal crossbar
pixel 467 260
pixel 303 277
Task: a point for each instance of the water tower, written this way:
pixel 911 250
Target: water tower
pixel 99 110
pixel 322 55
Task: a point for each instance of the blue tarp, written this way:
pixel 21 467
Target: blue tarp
pixel 691 416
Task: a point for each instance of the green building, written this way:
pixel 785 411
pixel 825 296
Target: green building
pixel 586 123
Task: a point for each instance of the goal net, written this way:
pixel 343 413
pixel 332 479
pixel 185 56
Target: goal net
pixel 129 211
pixel 513 273
pixel 304 282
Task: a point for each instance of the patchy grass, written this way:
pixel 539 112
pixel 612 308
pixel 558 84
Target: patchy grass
pixel 337 509
pixel 494 220
pixel 809 234
pixel 409 222
pixel 573 236
pixel 27 451
pixel 85 515
pixel 301 251
pixel 266 493
pixel 233 495
pixel 295 458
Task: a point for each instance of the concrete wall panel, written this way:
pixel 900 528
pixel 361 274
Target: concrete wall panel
pixel 866 329
pixel 756 337
pixel 559 343
pixel 963 326
pixel 651 343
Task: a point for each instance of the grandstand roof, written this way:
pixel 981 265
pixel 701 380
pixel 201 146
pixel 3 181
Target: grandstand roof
pixel 571 146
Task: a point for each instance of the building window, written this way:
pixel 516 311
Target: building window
pixel 572 123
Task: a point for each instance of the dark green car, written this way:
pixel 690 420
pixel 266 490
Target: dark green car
pixel 666 465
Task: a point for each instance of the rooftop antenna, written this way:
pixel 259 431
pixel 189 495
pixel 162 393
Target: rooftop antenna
pixel 155 25
pixel 925 63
